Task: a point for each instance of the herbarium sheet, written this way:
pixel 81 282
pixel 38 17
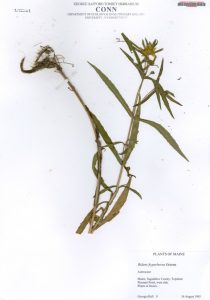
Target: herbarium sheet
pixel 104 150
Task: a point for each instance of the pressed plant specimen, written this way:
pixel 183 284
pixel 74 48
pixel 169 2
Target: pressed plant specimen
pixel 144 58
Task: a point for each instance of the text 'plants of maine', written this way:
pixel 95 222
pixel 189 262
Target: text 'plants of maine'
pixel 109 199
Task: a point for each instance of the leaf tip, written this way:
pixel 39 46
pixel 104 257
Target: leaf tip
pixel 185 157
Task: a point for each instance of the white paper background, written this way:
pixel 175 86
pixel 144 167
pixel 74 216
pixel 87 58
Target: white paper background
pixel 46 147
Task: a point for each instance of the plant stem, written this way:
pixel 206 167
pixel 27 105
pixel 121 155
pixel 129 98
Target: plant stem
pixel 113 196
pixel 97 140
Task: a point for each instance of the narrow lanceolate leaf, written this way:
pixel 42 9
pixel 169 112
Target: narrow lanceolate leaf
pixel 161 70
pixel 166 135
pixel 134 191
pixel 85 222
pixel 134 134
pixel 106 137
pixel 118 204
pixel 139 64
pixel 170 93
pixel 95 171
pixel 104 190
pixel 165 101
pixel 172 99
pixel 131 45
pixel 121 186
pixel 156 86
pixel 113 89
pixel 148 96
pixel 128 42
pixel 162 94
pixel 130 58
pixel 158 96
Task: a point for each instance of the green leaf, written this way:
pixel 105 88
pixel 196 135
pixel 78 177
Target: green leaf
pixel 133 190
pixel 166 135
pixel 85 222
pixel 136 192
pixel 148 96
pixel 128 42
pixel 112 88
pixel 95 171
pixel 118 204
pixel 134 134
pixel 157 90
pixel 106 137
pixel 161 70
pixel 173 100
pixel 105 189
pixel 165 101
pixel 158 97
pixel 170 93
pixel 139 64
pixel 133 47
pixel 130 58
pixel 163 94
pixel 94 162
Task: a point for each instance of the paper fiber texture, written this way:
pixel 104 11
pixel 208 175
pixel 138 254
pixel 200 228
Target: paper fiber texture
pixel 157 247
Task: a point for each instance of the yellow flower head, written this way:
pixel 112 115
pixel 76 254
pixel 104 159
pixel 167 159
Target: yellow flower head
pixel 149 50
